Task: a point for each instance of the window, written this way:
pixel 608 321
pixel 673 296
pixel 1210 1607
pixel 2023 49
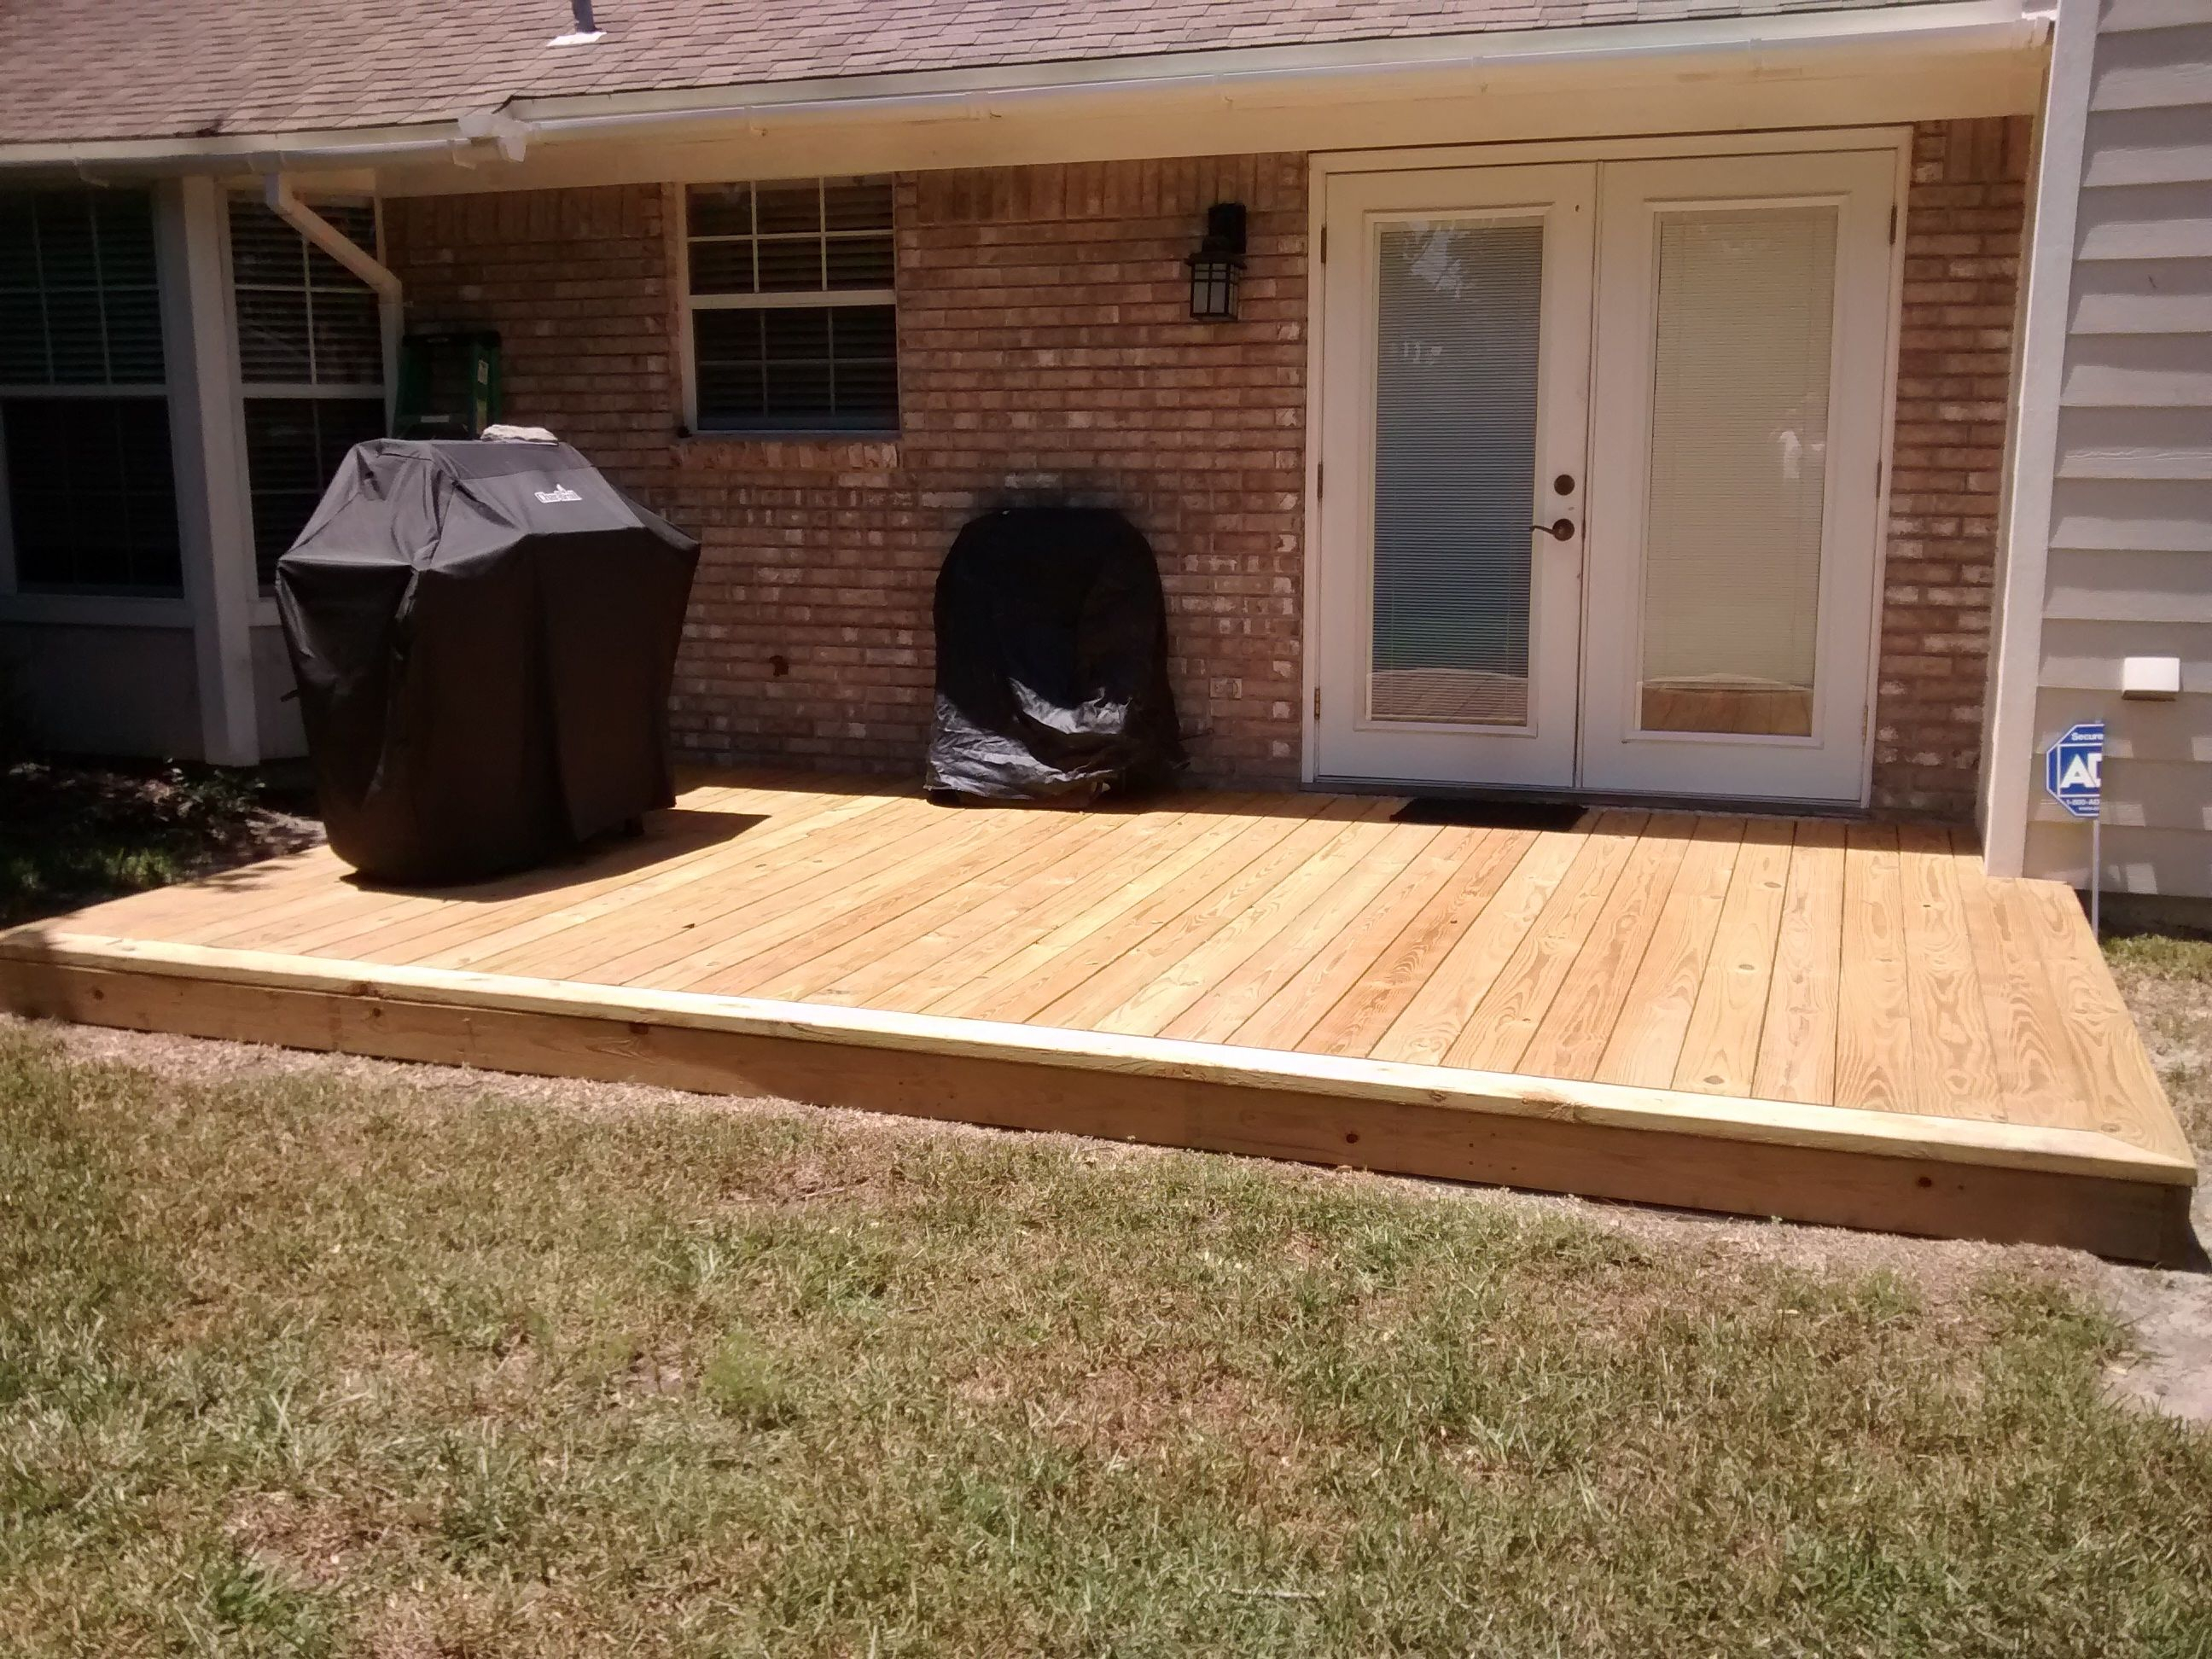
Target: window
pixel 310 363
pixel 790 303
pixel 84 415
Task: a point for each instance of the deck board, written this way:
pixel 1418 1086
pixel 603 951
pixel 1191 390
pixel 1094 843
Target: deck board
pixel 1762 966
pixel 1720 1050
pixel 1645 1043
pixel 1797 1039
pixel 1571 1038
pixel 1874 1031
pixel 1344 960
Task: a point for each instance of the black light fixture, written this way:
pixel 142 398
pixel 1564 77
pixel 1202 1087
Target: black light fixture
pixel 1216 267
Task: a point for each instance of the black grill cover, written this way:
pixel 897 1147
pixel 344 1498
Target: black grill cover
pixel 483 635
pixel 1052 675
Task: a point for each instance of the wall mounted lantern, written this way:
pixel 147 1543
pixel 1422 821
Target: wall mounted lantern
pixel 1216 267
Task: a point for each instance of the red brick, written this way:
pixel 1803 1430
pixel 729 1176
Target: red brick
pixel 1047 353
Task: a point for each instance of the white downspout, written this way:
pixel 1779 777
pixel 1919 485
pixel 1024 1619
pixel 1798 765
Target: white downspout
pixel 276 191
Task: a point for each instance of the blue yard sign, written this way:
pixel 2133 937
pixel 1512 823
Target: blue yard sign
pixel 2074 769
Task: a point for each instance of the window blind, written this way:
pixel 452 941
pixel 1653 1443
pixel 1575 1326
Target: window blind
pixel 84 420
pixel 311 363
pixel 765 355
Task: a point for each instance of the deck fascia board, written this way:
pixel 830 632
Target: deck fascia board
pixel 1929 1138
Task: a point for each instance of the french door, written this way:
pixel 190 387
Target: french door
pixel 1599 444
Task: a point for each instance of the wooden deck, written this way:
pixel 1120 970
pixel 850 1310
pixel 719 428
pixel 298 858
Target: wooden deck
pixel 1766 1016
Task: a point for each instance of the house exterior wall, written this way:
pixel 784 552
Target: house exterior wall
pixel 93 688
pixel 2130 549
pixel 1047 353
pixel 1962 226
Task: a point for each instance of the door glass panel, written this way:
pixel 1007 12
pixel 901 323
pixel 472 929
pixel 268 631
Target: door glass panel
pixel 1739 464
pixel 1454 470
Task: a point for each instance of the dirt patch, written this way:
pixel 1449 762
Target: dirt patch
pixel 2171 1315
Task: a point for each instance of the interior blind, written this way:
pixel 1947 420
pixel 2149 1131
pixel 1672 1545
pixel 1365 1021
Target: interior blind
pixel 311 357
pixel 303 319
pixel 1454 470
pixel 1738 467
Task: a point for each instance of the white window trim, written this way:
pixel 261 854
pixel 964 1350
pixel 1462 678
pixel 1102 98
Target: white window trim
pixel 679 199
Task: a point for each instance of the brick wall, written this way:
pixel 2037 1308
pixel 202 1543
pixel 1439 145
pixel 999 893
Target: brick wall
pixel 1963 225
pixel 1046 354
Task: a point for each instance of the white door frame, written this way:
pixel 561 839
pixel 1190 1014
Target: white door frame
pixel 1894 140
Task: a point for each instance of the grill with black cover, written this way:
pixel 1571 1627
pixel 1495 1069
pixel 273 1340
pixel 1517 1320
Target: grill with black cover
pixel 484 636
pixel 1052 642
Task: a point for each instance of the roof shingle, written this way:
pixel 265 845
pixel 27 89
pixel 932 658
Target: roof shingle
pixel 88 69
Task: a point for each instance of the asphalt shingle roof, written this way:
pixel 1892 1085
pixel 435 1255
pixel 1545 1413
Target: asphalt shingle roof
pixel 84 70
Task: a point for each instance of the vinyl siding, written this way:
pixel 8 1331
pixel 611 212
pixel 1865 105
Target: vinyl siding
pixel 2130 569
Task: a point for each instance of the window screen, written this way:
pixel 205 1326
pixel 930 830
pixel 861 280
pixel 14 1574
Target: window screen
pixel 794 326
pixel 84 418
pixel 311 363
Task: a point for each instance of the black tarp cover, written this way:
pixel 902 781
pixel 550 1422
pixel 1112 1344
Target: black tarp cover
pixel 1051 660
pixel 483 634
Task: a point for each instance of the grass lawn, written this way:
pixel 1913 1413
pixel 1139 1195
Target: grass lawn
pixel 2167 982
pixel 299 1365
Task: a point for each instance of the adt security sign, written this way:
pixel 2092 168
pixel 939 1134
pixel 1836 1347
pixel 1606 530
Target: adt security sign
pixel 2074 769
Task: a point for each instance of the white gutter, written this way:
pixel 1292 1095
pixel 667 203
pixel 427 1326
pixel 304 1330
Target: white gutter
pixel 1779 44
pixel 276 191
pixel 260 153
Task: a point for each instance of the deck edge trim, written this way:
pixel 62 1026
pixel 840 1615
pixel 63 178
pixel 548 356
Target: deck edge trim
pixel 1948 1139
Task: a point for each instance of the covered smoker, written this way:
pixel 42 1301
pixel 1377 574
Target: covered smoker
pixel 485 635
pixel 1051 679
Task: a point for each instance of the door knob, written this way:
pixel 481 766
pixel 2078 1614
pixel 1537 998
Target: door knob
pixel 1559 530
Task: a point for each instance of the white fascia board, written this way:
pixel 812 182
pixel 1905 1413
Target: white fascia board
pixel 1249 78
pixel 1245 74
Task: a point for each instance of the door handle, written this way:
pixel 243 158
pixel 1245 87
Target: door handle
pixel 1559 530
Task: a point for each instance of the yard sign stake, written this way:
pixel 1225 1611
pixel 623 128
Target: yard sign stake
pixel 2074 774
